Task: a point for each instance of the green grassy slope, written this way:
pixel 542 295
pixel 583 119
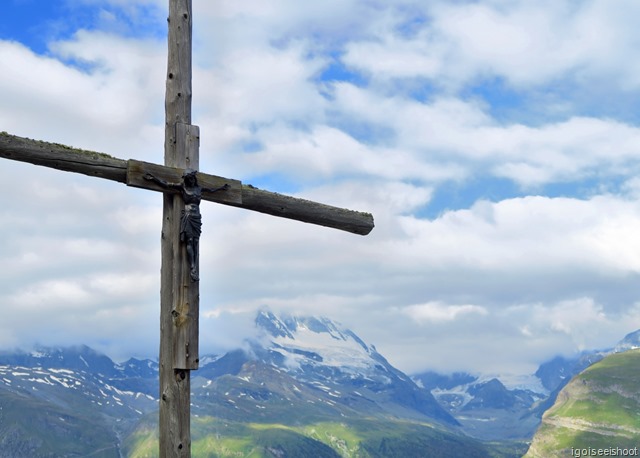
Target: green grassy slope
pixel 598 409
pixel 345 438
pixel 33 428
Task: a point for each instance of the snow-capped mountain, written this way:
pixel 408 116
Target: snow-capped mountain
pixel 318 347
pixel 498 407
pixel 483 405
pixel 298 371
pixel 629 342
pixel 81 361
pixel 51 394
pixel 317 361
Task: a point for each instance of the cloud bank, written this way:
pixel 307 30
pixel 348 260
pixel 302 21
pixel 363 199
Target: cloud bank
pixel 494 142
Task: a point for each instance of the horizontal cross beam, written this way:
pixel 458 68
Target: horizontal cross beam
pixel 130 172
pixel 136 170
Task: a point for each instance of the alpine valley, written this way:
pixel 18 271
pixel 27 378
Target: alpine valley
pixel 306 386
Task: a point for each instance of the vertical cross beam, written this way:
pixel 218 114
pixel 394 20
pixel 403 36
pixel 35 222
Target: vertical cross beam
pixel 186 305
pixel 178 295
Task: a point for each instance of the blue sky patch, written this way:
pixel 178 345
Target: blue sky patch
pixel 36 23
pixel 459 195
pixel 502 102
pixel 338 71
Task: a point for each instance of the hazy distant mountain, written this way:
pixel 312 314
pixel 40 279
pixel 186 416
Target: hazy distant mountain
pixel 309 387
pixel 432 380
pixel 70 401
pixel 484 406
pixel 629 342
pixel 321 353
pixel 487 409
pixel 597 409
pixel 306 387
pixel 557 372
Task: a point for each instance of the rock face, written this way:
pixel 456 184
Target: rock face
pixel 321 353
pixel 485 407
pixel 557 372
pixel 597 409
pixel 305 387
pixel 70 402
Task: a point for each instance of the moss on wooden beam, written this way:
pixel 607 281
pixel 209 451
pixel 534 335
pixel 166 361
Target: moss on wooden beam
pixel 62 157
pixel 92 163
pixel 61 146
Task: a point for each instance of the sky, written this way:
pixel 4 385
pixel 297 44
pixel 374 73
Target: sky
pixel 496 143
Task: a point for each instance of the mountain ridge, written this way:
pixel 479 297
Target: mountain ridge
pixel 301 375
pixel 320 350
pixel 596 409
pixel 297 374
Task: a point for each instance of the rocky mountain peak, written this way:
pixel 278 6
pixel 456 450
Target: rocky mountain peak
pixel 295 327
pixel 630 342
pixel 321 352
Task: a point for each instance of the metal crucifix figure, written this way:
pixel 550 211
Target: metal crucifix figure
pixel 190 220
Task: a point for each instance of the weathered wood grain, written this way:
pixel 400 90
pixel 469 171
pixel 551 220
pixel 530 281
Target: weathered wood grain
pixel 307 211
pixel 62 157
pixel 132 172
pixel 175 384
pixel 137 169
pixel 186 308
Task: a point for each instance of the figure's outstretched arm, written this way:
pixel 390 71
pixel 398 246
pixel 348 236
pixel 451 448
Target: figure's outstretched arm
pixel 221 188
pixel 161 182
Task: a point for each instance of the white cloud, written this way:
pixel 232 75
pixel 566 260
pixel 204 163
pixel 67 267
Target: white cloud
pixel 437 312
pixel 258 85
pixel 530 234
pixel 500 284
pixel 103 107
pixel 462 139
pixel 527 44
pixel 391 56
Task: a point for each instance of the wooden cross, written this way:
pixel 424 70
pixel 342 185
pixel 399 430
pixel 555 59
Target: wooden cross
pixel 179 285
